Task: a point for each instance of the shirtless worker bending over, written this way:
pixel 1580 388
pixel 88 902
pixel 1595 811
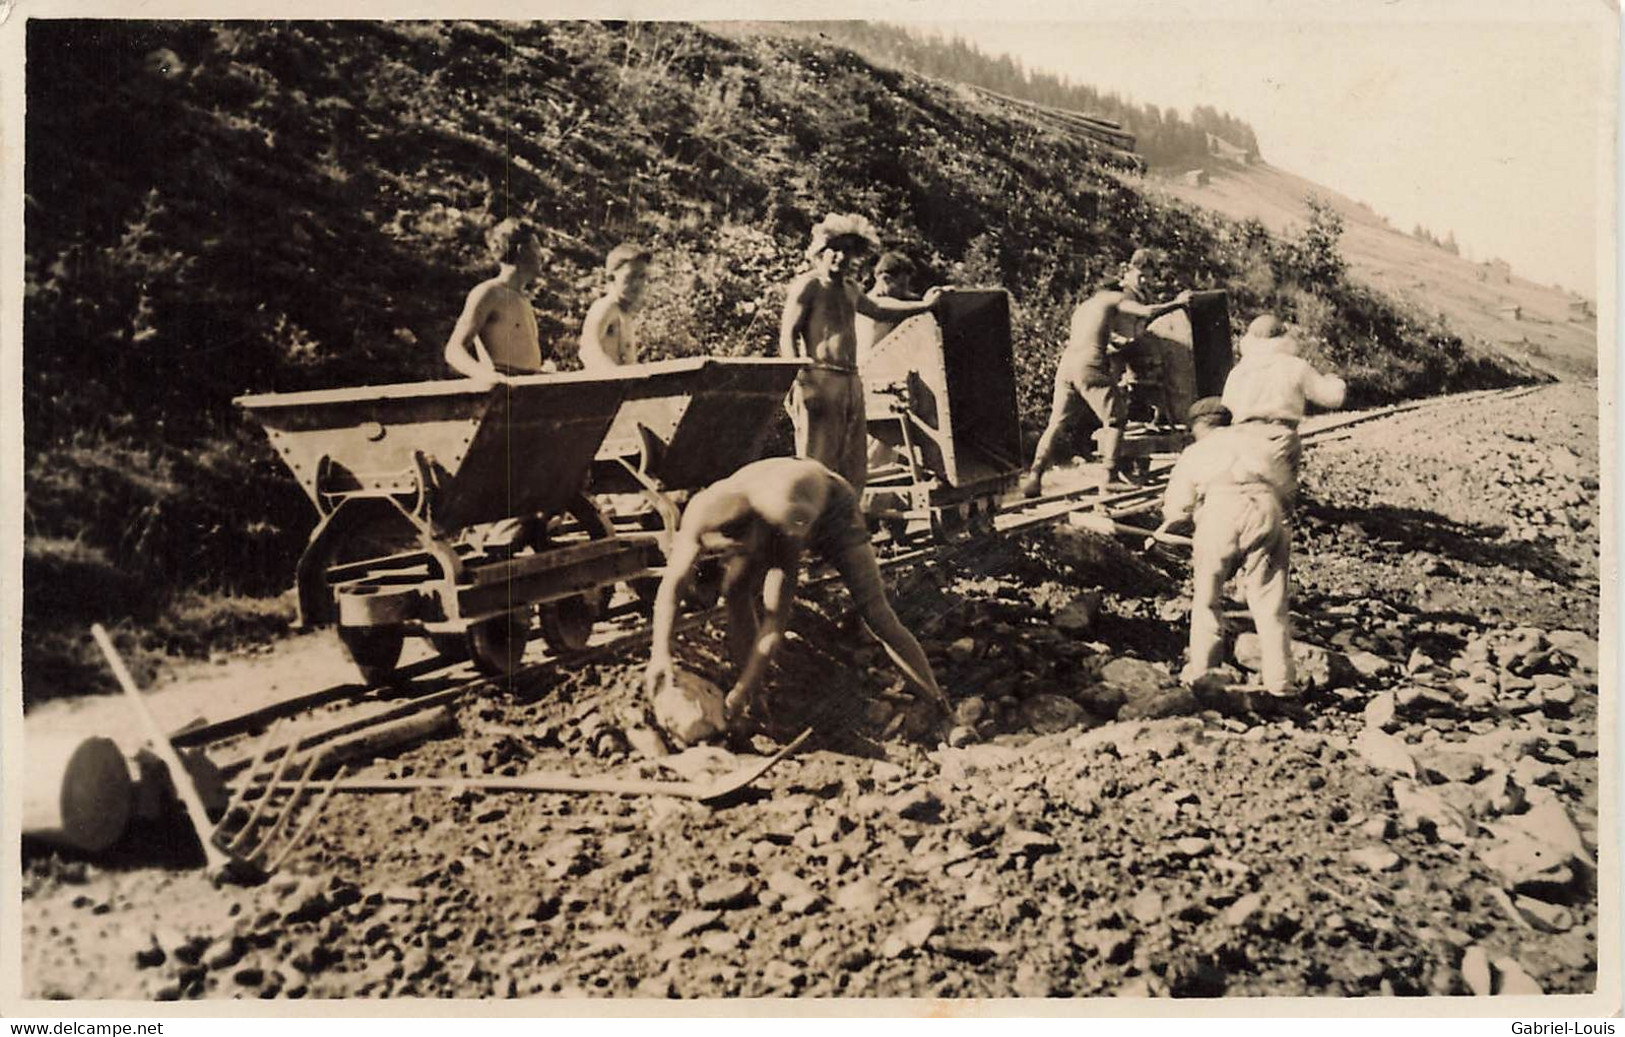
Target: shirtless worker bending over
pixel 1089 372
pixel 819 323
pixel 496 334
pixel 761 518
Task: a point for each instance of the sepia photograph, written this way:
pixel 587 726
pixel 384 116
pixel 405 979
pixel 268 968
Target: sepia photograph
pixel 1109 508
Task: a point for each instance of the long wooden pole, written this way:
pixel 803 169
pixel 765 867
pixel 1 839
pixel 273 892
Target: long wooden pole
pixel 216 860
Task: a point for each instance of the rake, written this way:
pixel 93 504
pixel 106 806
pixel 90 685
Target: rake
pixel 247 842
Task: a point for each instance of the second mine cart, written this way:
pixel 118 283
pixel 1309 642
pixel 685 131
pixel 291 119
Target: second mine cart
pixel 457 510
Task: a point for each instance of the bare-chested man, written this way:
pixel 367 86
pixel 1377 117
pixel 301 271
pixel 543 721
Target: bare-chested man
pixel 496 334
pixel 894 279
pixel 1089 371
pixel 762 518
pixel 819 323
pixel 609 334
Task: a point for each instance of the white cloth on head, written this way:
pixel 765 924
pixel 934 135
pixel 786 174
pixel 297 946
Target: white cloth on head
pixel 1272 383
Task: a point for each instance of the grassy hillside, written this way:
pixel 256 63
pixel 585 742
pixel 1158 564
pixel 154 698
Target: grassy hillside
pixel 1476 301
pixel 213 209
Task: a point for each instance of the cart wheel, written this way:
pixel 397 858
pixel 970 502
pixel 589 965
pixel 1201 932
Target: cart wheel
pixel 646 588
pixel 946 523
pixel 897 529
pixel 452 647
pixel 497 645
pixel 981 517
pixel 567 624
pixel 374 650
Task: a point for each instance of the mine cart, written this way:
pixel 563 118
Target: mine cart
pixel 686 424
pixel 945 438
pixel 1179 358
pixel 453 509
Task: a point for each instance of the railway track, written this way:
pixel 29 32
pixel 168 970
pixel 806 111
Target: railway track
pixel 383 702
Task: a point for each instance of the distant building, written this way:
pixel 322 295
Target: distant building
pixel 1196 178
pixel 1497 270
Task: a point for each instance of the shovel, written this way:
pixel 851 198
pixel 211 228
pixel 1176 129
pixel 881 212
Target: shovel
pixel 710 792
pixel 1109 526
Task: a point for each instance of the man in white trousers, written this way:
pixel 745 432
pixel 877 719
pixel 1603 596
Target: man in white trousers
pixel 1233 483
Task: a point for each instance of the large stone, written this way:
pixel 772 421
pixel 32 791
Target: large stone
pixel 1369 665
pixel 1548 918
pixel 1136 677
pixel 862 896
pixel 689 709
pixel 1103 700
pixel 1375 858
pixel 1380 711
pixel 1163 702
pixel 1046 714
pixel 1078 615
pixel 726 894
pixel 1475 971
pixel 1425 810
pixel 1514 981
pixel 1316 667
pixel 1385 752
pixel 1577 646
pixel 1441 765
pixel 1420 700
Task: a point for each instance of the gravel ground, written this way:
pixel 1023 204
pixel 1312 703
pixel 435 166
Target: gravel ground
pixel 1424 824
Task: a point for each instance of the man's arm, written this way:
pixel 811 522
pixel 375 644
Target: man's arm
pixel 1179 499
pixel 1323 390
pixel 795 314
pixel 709 509
pixel 888 309
pixel 463 352
pixel 1153 311
pixel 778 591
pixel 594 356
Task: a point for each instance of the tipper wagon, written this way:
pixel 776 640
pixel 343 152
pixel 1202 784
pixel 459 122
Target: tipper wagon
pixel 455 510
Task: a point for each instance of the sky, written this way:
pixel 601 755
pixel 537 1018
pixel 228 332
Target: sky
pixel 1493 121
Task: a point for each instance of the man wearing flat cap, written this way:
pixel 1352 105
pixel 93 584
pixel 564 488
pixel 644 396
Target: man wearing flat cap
pixel 820 310
pixel 1232 483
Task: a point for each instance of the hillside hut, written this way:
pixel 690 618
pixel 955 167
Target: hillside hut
pixel 1196 178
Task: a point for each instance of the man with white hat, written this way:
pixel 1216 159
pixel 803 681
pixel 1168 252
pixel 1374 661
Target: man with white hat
pixel 1271 386
pixel 820 309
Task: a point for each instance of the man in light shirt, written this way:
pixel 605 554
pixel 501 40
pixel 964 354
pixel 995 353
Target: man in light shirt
pixel 1271 386
pixel 1232 483
pixel 609 334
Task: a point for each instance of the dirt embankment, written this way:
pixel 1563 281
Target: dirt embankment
pixel 1426 825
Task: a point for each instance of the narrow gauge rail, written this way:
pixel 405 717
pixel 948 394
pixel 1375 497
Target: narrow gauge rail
pixel 1013 517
